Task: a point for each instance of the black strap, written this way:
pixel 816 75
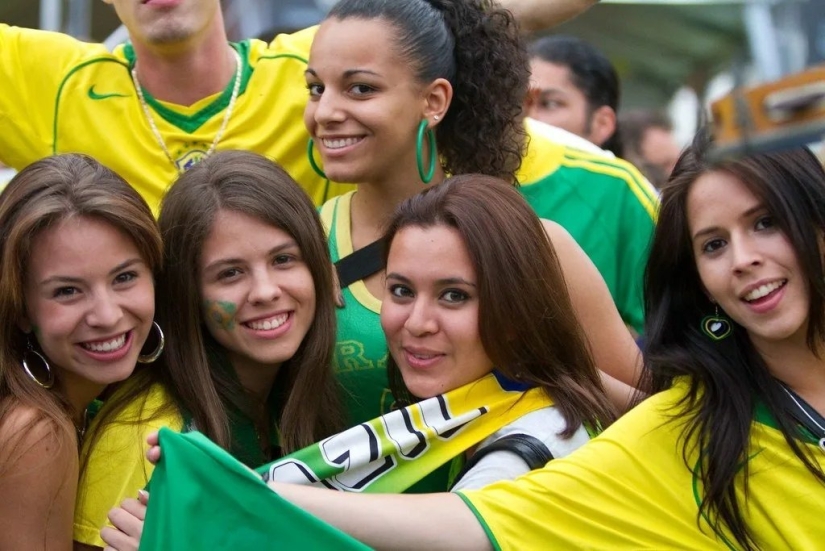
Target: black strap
pixel 532 450
pixel 803 413
pixel 361 264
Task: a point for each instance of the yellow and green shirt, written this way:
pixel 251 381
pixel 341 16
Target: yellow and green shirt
pixel 605 204
pixel 60 95
pixel 630 488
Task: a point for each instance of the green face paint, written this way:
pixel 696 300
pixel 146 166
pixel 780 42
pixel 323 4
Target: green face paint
pixel 221 313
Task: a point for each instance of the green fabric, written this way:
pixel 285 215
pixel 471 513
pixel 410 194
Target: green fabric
pixel 607 211
pixel 202 498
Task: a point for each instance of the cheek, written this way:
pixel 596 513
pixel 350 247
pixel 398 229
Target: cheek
pixel 219 315
pixel 392 318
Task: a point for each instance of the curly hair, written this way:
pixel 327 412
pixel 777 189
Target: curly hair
pixel 477 48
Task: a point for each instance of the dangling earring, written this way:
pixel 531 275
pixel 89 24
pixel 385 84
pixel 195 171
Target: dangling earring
pixel 155 354
pixel 717 327
pixel 31 355
pixel 419 152
pixel 312 163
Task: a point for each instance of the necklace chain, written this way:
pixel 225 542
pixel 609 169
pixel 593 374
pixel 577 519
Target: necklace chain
pixel 236 87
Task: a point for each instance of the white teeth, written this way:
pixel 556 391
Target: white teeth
pixel 764 290
pixel 272 323
pixel 339 143
pixel 108 346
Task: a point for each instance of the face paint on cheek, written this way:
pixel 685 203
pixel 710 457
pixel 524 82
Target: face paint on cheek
pixel 221 313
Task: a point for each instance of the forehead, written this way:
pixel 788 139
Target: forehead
pixel 718 198
pixel 234 231
pixel 435 251
pixel 545 75
pixel 344 44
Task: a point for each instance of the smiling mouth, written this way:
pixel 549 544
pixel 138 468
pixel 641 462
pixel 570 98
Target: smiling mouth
pixel 340 143
pixel 110 345
pixel 268 324
pixel 764 290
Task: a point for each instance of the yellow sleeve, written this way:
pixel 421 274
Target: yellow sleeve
pixel 33 65
pixel 116 467
pixel 626 489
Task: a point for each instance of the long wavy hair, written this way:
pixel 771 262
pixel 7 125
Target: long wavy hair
pixel 40 196
pixel 255 186
pixel 477 48
pixel 728 378
pixel 549 350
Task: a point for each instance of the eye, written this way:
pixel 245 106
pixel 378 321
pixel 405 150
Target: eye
pixel 228 273
pixel 65 292
pixel 126 277
pixel 282 259
pixel 401 291
pixel 549 104
pixel 315 89
pixel 454 296
pixel 764 223
pixel 713 245
pixel 361 89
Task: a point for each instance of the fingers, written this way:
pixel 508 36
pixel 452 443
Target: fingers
pixel 118 541
pixel 153 455
pixel 153 439
pixel 143 497
pixel 128 526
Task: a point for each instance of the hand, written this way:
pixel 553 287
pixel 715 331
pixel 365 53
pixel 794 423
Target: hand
pixel 128 524
pixel 153 454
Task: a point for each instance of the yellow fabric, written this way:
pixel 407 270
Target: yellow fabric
pixel 630 489
pixel 116 467
pixel 61 95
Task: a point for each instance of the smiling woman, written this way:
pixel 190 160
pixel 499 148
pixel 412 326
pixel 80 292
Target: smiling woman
pixel 246 298
pixel 77 300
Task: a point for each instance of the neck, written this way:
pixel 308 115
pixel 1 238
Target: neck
pixel 256 378
pixel 79 393
pixel 185 76
pixel 798 367
pixel 375 202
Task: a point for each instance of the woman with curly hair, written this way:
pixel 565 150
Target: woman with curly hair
pixel 401 94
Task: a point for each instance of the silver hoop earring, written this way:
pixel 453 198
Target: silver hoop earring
pixel 155 354
pixel 32 354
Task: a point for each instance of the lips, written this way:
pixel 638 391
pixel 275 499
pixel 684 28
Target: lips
pixel 268 323
pixel 109 349
pixel 762 290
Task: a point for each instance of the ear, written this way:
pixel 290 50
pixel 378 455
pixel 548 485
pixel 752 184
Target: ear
pixel 602 125
pixel 25 325
pixel 437 98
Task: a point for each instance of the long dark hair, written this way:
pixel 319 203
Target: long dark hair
pixel 477 48
pixel 520 283
pixel 250 184
pixel 729 377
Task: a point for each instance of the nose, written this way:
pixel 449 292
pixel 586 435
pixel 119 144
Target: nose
pixel 105 311
pixel 328 108
pixel 264 288
pixel 421 319
pixel 746 253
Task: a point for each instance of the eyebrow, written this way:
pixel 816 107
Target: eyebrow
pixel 443 281
pixel 713 229
pixel 235 260
pixel 68 279
pixel 349 73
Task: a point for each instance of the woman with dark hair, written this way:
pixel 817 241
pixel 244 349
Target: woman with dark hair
pixel 729 453
pixel 78 254
pixel 246 299
pixel 401 94
pixel 449 317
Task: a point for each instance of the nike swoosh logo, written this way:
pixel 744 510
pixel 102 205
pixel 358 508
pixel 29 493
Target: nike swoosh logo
pixel 95 95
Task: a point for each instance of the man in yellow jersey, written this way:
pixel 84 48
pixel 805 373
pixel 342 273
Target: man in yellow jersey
pixel 176 93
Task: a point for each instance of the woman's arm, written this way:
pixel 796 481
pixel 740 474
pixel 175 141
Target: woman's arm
pixel 536 15
pixel 38 482
pixel 613 348
pixel 391 521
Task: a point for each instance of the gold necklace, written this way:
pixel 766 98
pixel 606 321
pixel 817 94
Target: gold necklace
pixel 227 114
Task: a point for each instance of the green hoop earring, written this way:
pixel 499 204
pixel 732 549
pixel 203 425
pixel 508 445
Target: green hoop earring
pixel 312 163
pixel 419 153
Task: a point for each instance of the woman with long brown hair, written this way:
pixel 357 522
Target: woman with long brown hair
pixel 78 254
pixel 246 298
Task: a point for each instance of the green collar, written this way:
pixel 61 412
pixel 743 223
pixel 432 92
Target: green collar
pixel 763 416
pixel 190 123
